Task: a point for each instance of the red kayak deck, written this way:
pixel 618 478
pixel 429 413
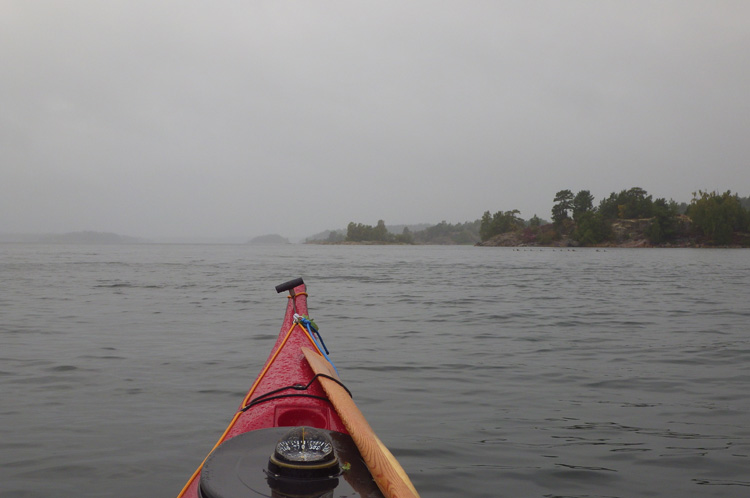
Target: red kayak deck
pixel 278 407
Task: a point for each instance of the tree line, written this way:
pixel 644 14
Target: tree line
pixel 710 218
pixel 713 218
pixel 442 233
pixel 358 232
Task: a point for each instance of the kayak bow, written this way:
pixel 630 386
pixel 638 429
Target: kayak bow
pixel 297 432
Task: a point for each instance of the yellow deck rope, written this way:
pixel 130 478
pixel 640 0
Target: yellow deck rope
pixel 247 398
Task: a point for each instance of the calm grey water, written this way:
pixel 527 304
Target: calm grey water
pixel 487 371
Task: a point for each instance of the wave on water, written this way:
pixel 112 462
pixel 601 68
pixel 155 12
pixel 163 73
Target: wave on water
pixel 487 372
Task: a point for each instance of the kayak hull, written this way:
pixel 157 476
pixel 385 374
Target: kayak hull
pixel 284 394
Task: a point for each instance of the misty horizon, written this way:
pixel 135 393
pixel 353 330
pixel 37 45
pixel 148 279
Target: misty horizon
pixel 209 120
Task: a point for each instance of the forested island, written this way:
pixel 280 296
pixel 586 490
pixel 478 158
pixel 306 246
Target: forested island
pixel 268 240
pixel 629 218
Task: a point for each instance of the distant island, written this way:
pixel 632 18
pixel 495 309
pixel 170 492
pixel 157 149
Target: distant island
pixel 89 237
pixel 629 218
pixel 268 240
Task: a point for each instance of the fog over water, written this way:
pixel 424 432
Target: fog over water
pixel 240 118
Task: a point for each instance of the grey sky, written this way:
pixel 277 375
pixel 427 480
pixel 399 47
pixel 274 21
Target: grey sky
pixel 221 118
